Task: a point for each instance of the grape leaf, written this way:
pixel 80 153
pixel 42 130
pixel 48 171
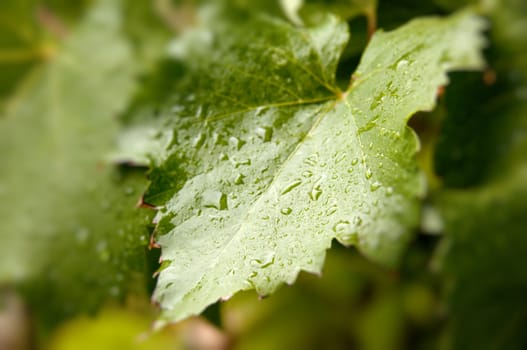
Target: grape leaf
pixel 267 160
pixel 68 220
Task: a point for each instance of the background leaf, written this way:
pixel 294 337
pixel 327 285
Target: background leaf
pixel 68 220
pixel 485 195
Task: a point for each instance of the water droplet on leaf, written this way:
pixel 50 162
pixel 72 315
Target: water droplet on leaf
pixel 264 261
pixel 198 141
pixel 402 63
pixel 286 211
pixel 291 186
pixel 236 143
pixel 307 174
pixel 239 180
pixel 215 199
pixel 316 190
pixel 375 186
pixel 265 133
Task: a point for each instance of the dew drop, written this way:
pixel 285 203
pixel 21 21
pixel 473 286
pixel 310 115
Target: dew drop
pixel 214 199
pixel 402 63
pixel 291 186
pixel 357 221
pixel 259 110
pixel 239 180
pixel 307 174
pixel 368 174
pixel 346 231
pixel 264 261
pixel 198 141
pixel 312 160
pixel 286 211
pixel 341 226
pixel 236 143
pixel 389 191
pixel 315 192
pixel 239 162
pixel 331 210
pixel 375 186
pixel 339 157
pixel 249 284
pixel 354 161
pixel 265 133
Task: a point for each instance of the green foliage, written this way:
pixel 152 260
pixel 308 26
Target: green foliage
pixel 278 161
pixel 242 125
pixel 68 218
pixel 485 218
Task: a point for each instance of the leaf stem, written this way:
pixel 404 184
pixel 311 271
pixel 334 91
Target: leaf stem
pixel 371 17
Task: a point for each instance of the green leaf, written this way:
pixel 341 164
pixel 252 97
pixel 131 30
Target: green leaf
pixel 29 32
pixel 148 32
pixel 485 238
pixel 68 220
pixel 484 264
pixel 484 256
pixel 21 45
pixel 267 160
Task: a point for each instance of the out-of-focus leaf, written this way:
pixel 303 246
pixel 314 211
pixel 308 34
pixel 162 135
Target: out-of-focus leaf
pixel 114 329
pixel 346 308
pixel 148 28
pixel 71 236
pixel 487 245
pixel 345 9
pixel 486 239
pixel 29 34
pixel 21 44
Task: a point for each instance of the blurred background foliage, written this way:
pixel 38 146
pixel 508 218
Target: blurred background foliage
pixel 462 284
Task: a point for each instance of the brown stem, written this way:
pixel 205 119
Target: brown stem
pixel 371 17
